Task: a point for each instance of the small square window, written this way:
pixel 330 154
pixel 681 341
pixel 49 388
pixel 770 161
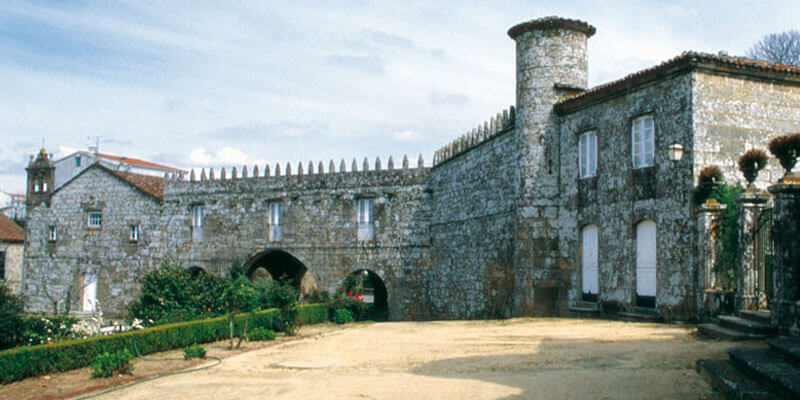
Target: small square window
pixel 95 219
pixel 52 233
pixel 134 233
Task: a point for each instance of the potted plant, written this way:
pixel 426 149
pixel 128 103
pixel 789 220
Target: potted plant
pixel 708 180
pixel 750 163
pixel 786 149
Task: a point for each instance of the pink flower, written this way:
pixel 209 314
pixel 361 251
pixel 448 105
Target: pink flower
pixel 360 297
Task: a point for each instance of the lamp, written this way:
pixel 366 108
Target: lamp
pixel 675 152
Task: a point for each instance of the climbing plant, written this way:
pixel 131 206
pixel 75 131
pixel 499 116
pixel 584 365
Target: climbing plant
pixel 727 231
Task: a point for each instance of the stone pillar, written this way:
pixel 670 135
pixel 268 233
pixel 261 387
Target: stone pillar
pixel 708 293
pixel 750 205
pixel 785 301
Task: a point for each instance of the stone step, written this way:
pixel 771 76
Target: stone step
pixel 721 332
pixel 763 316
pixel 733 383
pixel 746 325
pixel 772 371
pixel 787 347
pixel 582 309
pixel 640 314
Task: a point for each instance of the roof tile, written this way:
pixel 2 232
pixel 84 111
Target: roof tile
pixel 10 231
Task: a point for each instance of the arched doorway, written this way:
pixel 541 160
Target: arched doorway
pixel 195 271
pixel 375 295
pixel 646 264
pixel 276 264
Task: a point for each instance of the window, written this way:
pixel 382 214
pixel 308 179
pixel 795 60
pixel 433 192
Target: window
pixel 643 141
pixel 95 219
pixel 275 219
pixel 78 161
pixel 2 264
pixel 587 154
pixel 52 233
pixel 197 222
pixel 36 187
pixel 134 233
pixel 366 229
pixel 44 186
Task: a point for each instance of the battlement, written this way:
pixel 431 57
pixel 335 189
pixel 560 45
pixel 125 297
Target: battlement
pixel 501 123
pixel 304 174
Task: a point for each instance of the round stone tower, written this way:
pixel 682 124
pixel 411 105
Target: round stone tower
pixel 551 64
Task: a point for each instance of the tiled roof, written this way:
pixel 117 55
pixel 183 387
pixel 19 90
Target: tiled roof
pixel 10 231
pixel 136 161
pixel 17 196
pixel 687 60
pixel 552 22
pixel 151 185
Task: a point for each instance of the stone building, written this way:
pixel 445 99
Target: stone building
pixel 12 239
pixel 74 163
pixel 575 198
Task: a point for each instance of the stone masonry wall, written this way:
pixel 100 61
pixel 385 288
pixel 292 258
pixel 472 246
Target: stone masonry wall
pixel 734 114
pixel 619 197
pixel 472 231
pixel 13 264
pixel 319 227
pixel 52 268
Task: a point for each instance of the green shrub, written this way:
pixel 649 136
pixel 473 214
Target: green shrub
pixel 342 316
pixel 44 329
pixel 108 364
pixel 11 324
pixel 194 351
pixel 357 307
pixel 23 362
pixel 173 294
pixel 261 334
pixel 726 261
pixel 285 296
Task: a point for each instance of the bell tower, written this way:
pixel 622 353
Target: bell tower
pixel 41 177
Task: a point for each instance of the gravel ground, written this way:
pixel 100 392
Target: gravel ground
pixel 519 358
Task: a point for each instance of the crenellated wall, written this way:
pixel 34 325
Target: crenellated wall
pixel 319 228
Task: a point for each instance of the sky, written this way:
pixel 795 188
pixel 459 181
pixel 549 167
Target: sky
pixel 210 84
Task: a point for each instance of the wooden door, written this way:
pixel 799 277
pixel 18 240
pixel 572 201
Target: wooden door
pixel 646 259
pixel 589 254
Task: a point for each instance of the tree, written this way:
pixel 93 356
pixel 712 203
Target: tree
pixel 783 47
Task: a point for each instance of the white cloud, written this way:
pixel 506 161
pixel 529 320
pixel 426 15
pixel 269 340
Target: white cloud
pixel 408 136
pixel 224 156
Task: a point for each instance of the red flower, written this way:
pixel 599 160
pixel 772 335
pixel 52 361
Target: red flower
pixel 360 297
pixel 349 294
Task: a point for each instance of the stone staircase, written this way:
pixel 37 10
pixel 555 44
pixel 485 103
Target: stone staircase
pixel 748 325
pixel 757 373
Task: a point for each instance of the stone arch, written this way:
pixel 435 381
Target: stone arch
pixel 375 295
pixel 275 264
pixel 196 270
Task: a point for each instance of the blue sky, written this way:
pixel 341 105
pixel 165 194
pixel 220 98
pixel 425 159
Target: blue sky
pixel 209 83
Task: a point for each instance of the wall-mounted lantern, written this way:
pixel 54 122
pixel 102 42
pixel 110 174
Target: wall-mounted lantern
pixel 675 152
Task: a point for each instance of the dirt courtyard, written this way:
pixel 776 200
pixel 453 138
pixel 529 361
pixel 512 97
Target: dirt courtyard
pixel 519 358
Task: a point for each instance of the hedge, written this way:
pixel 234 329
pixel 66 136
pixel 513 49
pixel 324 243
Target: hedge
pixel 19 363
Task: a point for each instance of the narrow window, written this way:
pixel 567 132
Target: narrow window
pixel 2 265
pixel 197 222
pixel 587 154
pixel 275 220
pixel 36 187
pixel 95 219
pixel 134 233
pixel 44 186
pixel 643 141
pixel 78 161
pixel 366 228
pixel 52 233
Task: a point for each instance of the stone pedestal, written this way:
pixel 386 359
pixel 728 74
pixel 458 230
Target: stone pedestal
pixel 750 206
pixel 786 263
